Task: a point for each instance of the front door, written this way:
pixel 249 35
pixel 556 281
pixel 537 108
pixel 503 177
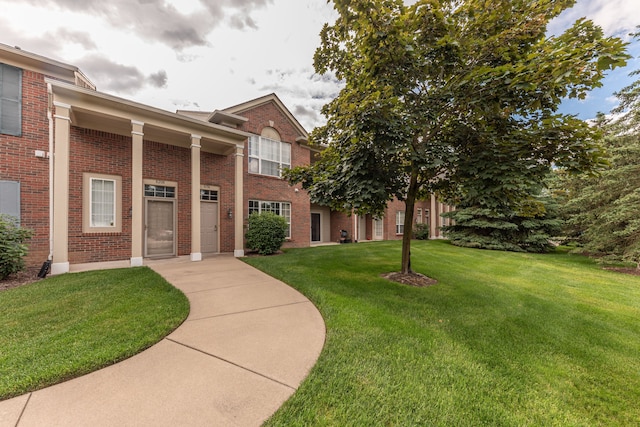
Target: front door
pixel 315 227
pixel 209 227
pixel 160 228
pixel 378 229
pixel 362 228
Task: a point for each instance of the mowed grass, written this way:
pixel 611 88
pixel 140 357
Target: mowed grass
pixel 69 325
pixel 503 339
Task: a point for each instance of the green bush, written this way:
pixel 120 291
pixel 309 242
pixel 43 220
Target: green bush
pixel 267 232
pixel 12 247
pixel 421 231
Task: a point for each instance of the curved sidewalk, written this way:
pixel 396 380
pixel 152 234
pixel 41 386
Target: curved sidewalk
pixel 247 344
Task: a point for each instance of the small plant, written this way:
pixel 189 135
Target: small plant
pixel 12 247
pixel 421 231
pixel 267 232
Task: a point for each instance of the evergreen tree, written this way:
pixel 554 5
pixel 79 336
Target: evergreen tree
pixel 603 211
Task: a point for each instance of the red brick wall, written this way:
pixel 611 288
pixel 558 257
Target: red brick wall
pixel 390 217
pixel 19 163
pixel 101 153
pixel 260 187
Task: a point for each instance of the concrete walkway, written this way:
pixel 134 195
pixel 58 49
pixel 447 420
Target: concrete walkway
pixel 247 344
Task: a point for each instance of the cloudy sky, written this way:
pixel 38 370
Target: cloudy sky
pixel 213 54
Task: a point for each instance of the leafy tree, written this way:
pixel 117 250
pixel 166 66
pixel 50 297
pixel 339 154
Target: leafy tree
pixel 441 94
pixel 12 246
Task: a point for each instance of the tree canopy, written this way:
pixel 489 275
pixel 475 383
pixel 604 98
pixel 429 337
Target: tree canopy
pixel 602 211
pixel 442 95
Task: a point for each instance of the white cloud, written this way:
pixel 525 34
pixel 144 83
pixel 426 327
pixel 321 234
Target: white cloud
pixel 210 54
pixel 616 17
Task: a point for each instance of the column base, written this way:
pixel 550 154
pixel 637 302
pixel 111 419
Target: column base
pixel 197 256
pixel 238 253
pixel 136 262
pixel 59 268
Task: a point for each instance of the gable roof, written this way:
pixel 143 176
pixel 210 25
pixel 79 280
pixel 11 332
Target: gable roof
pixel 237 110
pixel 40 64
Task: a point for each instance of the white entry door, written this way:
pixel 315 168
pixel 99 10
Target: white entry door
pixel 209 227
pixel 378 229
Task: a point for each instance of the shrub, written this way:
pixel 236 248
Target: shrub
pixel 421 231
pixel 12 247
pixel 267 232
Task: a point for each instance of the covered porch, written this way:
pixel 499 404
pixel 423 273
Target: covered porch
pixel 73 106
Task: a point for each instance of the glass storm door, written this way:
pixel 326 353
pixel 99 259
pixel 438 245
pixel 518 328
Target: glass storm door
pixel 160 228
pixel 378 229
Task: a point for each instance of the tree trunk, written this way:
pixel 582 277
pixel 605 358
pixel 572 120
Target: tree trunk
pixel 408 221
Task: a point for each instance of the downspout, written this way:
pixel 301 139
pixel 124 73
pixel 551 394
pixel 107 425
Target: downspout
pixel 50 118
pixel 46 266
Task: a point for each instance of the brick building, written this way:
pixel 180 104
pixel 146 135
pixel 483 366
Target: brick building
pixel 100 178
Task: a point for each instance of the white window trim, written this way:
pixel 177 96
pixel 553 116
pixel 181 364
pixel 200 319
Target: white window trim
pixel 260 202
pixel 258 156
pixel 87 227
pixel 400 222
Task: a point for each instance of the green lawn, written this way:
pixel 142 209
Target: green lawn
pixel 72 324
pixel 503 339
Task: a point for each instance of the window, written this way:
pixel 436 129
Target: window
pixel 10 100
pixel 279 208
pixel 161 191
pixel 102 203
pixel 209 195
pixel 267 156
pixel 10 198
pixel 399 222
pixel 419 216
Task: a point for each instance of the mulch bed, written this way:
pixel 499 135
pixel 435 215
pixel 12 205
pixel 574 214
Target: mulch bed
pixel 632 271
pixel 412 279
pixel 28 275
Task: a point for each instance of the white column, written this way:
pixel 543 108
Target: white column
pixel 433 219
pixel 137 193
pixel 62 119
pixel 196 251
pixel 239 203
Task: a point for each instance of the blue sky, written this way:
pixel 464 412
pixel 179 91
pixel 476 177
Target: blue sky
pixel 212 54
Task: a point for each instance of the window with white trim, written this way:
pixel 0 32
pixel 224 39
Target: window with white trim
pixel 279 208
pixel 10 100
pixel 399 222
pixel 419 216
pixel 102 203
pixel 268 156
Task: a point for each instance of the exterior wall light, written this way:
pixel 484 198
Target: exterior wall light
pixel 230 213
